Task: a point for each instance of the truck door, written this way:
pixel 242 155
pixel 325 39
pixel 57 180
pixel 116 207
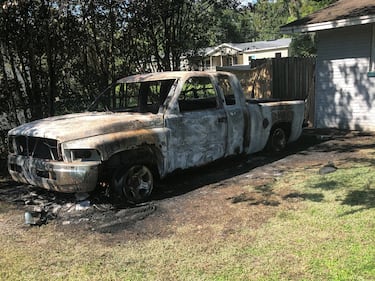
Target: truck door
pixel 198 130
pixel 235 114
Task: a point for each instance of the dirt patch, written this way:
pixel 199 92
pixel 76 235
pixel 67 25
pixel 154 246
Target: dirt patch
pixel 213 200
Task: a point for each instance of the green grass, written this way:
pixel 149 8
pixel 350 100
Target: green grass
pixel 333 238
pixel 329 234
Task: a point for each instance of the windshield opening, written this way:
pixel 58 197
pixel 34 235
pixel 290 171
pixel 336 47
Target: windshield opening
pixel 146 96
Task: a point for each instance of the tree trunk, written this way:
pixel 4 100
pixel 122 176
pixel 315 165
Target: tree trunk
pixel 35 95
pixel 52 78
pixel 12 110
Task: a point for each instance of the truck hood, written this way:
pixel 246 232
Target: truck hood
pixel 81 125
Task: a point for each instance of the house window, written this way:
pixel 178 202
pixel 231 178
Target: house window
pixel 371 72
pixel 250 58
pixel 278 55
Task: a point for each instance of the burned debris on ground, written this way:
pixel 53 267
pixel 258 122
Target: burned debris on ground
pixel 95 209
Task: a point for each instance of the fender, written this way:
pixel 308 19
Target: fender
pixel 111 144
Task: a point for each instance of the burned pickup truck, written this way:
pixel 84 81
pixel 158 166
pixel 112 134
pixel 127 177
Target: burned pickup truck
pixel 145 127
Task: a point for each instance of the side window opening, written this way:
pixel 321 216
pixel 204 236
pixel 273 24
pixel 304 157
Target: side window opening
pixel 198 93
pixel 227 89
pixel 146 96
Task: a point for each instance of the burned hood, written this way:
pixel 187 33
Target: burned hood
pixel 81 125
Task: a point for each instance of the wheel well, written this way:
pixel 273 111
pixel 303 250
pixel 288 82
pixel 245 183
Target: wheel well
pixel 286 126
pixel 274 143
pixel 145 154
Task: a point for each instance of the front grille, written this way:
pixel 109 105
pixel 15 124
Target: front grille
pixel 36 147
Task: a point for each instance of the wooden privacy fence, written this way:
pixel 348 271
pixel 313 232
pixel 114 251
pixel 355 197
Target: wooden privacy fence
pixel 279 78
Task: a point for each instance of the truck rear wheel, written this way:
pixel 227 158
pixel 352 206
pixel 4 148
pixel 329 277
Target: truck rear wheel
pixel 133 183
pixel 277 140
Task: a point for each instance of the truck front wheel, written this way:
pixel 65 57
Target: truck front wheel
pixel 277 140
pixel 133 183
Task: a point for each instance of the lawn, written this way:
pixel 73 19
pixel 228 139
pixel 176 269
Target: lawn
pixel 326 233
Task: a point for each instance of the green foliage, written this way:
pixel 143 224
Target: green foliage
pixel 303 45
pixel 233 25
pixel 161 31
pixel 302 8
pixel 268 17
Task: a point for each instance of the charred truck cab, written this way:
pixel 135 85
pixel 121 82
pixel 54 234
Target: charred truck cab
pixel 146 126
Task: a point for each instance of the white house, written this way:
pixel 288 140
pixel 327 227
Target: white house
pixel 345 67
pixel 229 54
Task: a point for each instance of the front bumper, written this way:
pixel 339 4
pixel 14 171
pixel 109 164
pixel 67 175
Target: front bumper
pixel 54 175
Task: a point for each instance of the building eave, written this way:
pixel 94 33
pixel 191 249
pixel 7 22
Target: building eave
pixel 313 27
pixel 224 45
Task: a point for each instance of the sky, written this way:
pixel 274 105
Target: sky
pixel 245 2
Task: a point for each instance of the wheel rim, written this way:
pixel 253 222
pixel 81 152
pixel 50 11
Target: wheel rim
pixel 137 183
pixel 278 139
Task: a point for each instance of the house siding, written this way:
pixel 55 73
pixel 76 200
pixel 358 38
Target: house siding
pixel 345 95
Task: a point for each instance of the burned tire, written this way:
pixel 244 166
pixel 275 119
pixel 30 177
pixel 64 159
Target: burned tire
pixel 133 183
pixel 277 140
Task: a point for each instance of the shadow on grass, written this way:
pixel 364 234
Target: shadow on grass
pixel 343 148
pixel 263 195
pixel 315 197
pixel 369 161
pixel 327 185
pixel 364 198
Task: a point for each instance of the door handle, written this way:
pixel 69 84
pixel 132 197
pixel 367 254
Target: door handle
pixel 222 119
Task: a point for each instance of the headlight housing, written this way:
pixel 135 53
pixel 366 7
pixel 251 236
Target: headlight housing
pixel 82 155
